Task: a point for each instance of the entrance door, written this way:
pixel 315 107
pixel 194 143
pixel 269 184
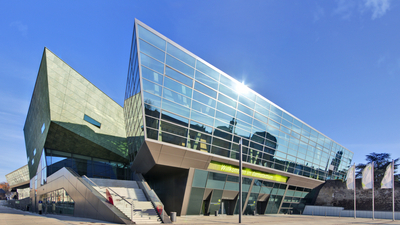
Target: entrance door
pixel 262 202
pixel 229 206
pixel 205 208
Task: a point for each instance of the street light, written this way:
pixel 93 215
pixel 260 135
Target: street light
pixel 240 181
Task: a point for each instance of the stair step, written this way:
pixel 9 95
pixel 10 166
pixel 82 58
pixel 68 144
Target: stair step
pixel 125 193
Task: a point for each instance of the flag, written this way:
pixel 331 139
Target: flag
pixel 388 178
pixel 367 177
pixel 350 177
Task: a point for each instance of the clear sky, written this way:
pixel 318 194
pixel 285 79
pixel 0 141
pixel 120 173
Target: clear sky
pixel 333 64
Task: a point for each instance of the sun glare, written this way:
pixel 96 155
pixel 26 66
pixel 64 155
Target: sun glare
pixel 241 88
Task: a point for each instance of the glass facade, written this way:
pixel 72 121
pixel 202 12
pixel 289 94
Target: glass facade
pixel 18 176
pixel 58 202
pixel 209 190
pixel 84 165
pixel 189 103
pixel 133 111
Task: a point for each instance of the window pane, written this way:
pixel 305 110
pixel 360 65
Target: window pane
pixel 203 108
pixel 177 98
pixel 200 127
pixel 198 137
pixel 245 109
pixel 175 86
pixel 175 108
pixel 276 110
pixel 151 51
pixel 205 90
pixel 173 139
pixel 151 87
pixel 226 109
pixel 244 117
pixel 207 70
pixel 152 99
pixel 88 119
pixel 246 102
pixel 275 117
pixel 227 100
pixel 206 80
pixel 151 75
pixel 180 54
pixel 200 117
pixel 262 102
pixel 227 91
pixel 180 66
pixel 259 124
pixel 204 99
pixel 172 128
pixel 199 178
pixel 178 76
pixel 261 117
pixel 151 63
pixel 151 38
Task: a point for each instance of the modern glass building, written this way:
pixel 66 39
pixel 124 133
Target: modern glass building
pixel 183 114
pixel 177 133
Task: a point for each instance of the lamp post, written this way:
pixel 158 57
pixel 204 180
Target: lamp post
pixel 240 180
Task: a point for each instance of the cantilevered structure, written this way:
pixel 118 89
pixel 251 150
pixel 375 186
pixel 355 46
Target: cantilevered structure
pixel 179 129
pixel 184 119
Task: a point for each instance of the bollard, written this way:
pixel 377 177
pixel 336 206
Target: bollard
pixel 216 212
pixel 312 213
pixel 339 214
pixel 325 213
pixel 173 216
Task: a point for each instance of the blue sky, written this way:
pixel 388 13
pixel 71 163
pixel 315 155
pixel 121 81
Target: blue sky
pixel 333 64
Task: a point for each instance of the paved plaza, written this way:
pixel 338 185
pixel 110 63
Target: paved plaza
pixel 9 216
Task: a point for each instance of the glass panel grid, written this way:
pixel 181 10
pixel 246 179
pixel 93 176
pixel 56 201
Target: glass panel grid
pixel 244 115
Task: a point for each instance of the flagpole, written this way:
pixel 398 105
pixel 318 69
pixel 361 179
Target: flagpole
pixel 373 185
pixel 393 188
pixel 354 187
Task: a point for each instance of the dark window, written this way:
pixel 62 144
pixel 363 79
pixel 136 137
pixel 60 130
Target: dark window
pixel 92 121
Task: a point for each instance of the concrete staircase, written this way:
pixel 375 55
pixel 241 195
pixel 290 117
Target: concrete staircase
pixel 128 198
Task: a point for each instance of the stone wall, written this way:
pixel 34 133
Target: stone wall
pixel 335 193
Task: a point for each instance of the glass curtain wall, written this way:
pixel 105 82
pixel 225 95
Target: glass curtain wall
pixel 58 202
pixel 210 189
pixel 84 165
pixel 190 104
pixel 133 111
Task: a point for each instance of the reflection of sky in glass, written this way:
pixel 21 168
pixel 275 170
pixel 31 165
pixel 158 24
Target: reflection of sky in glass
pixel 224 103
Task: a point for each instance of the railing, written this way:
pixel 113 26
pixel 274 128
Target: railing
pixel 151 195
pixel 130 203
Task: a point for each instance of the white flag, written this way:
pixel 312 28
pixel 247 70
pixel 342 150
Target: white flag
pixel 350 177
pixel 388 178
pixel 367 177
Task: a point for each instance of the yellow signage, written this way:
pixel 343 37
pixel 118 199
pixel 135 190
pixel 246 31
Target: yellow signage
pixel 246 172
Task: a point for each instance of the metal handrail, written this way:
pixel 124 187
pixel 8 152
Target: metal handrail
pixel 152 196
pixel 114 192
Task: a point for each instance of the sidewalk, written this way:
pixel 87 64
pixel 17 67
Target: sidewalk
pixel 9 216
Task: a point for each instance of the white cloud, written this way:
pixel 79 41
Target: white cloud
pixel 318 13
pixel 345 8
pixel 378 7
pixel 22 28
